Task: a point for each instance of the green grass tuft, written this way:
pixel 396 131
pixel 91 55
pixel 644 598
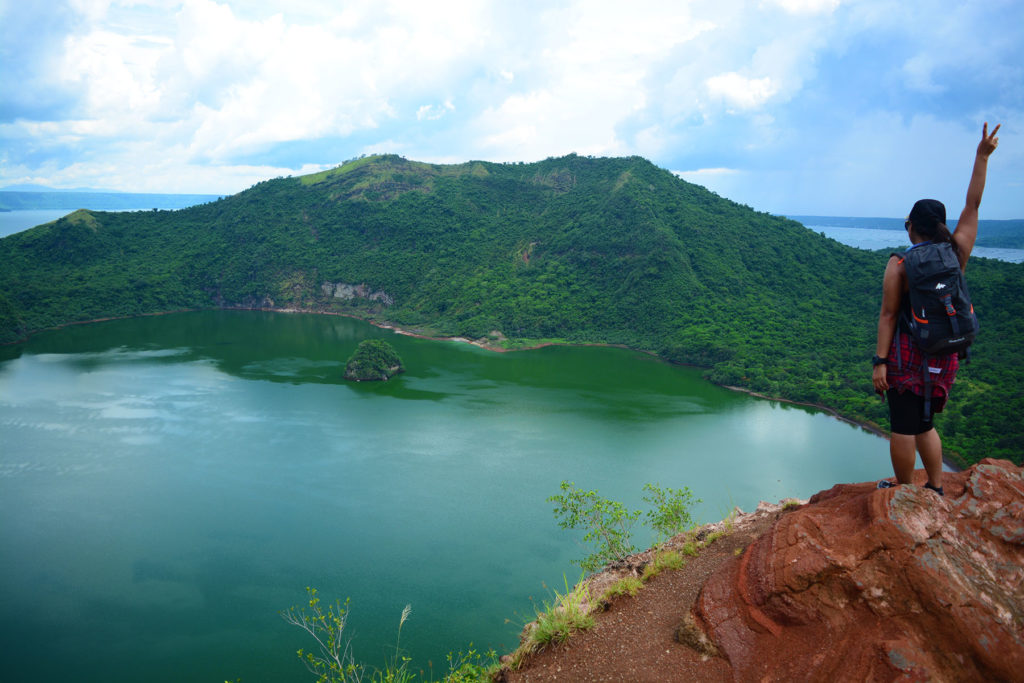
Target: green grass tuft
pixel 712 537
pixel 664 560
pixel 567 614
pixel 629 585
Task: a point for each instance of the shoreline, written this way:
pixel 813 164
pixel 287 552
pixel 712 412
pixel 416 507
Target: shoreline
pixel 384 325
pixel 870 428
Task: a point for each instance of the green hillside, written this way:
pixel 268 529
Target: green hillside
pixel 574 248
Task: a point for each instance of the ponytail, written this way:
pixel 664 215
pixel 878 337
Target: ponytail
pixel 942 234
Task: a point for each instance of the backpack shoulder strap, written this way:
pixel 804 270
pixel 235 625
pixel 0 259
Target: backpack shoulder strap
pixel 901 319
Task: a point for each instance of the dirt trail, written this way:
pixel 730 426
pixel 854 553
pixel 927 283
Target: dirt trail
pixel 635 639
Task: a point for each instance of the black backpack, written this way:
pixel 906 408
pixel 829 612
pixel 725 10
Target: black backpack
pixel 939 316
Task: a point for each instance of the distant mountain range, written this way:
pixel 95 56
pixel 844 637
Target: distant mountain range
pixel 571 249
pixel 37 197
pixel 32 187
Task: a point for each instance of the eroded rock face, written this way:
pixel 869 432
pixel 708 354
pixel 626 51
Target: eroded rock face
pixel 869 584
pixel 341 290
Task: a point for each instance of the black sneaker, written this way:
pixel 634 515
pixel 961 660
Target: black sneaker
pixel 937 489
pixel 885 484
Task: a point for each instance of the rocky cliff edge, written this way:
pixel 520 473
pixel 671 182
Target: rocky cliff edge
pixel 857 584
pixel 889 584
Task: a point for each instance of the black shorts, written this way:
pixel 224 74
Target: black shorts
pixel 906 413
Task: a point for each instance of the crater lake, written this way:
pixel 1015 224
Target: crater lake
pixel 169 484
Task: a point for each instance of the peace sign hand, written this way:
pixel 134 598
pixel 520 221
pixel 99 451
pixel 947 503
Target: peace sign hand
pixel 988 142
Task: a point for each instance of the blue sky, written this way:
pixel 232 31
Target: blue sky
pixel 829 107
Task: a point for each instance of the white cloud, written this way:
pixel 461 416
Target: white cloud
pixel 91 10
pixel 433 112
pixel 724 181
pixel 705 173
pixel 204 95
pixel 116 70
pixel 876 165
pixel 739 91
pixel 237 84
pixel 266 82
pixel 918 74
pixel 806 6
pixel 593 72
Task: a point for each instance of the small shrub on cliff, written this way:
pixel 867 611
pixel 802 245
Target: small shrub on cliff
pixel 472 666
pixel 670 513
pixel 608 523
pixel 332 661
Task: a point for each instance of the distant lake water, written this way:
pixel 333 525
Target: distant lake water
pixel 169 483
pixel 873 238
pixel 16 221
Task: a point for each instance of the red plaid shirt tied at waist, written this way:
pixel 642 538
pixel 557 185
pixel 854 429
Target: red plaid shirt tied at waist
pixel 905 369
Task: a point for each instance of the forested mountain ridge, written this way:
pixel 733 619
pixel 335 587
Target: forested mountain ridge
pixel 573 248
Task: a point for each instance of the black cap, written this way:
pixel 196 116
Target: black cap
pixel 926 216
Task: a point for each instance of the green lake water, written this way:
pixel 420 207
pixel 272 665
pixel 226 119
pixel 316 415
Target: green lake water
pixel 168 484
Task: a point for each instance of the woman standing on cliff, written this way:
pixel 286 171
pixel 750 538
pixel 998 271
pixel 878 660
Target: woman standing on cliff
pixel 910 415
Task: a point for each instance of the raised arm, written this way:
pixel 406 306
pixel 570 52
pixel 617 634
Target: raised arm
pixel 967 227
